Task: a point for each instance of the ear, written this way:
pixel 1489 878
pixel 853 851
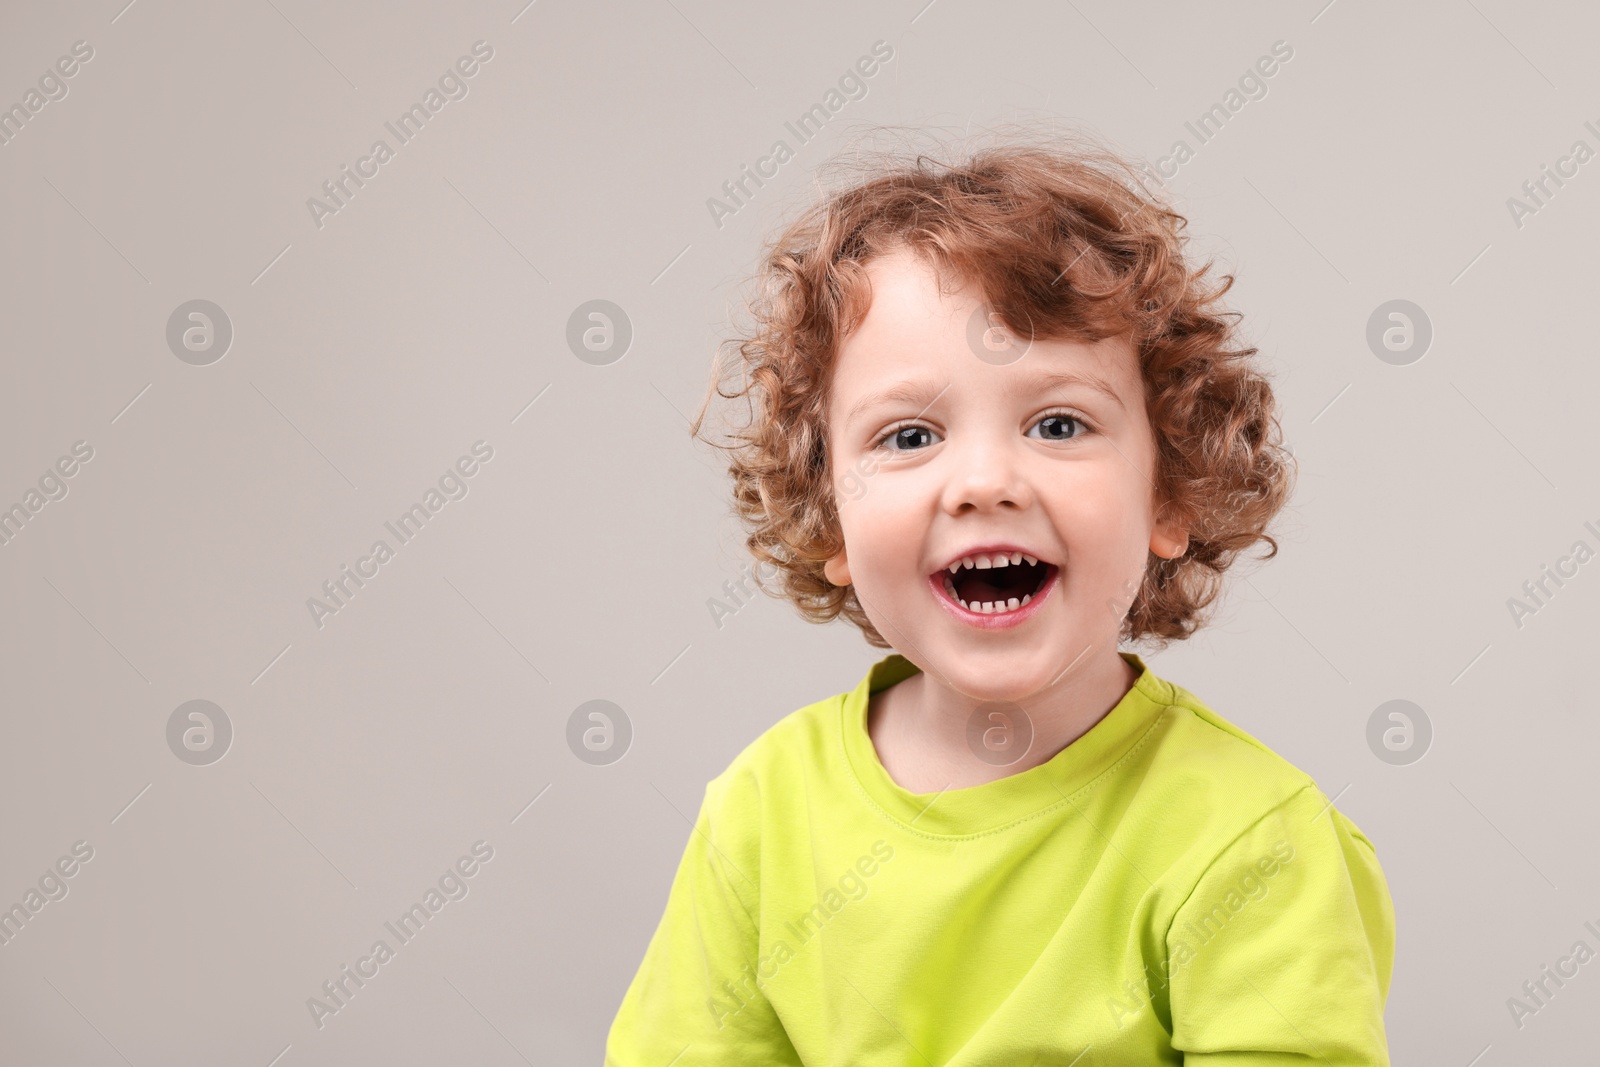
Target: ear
pixel 837 569
pixel 1169 541
pixel 1169 538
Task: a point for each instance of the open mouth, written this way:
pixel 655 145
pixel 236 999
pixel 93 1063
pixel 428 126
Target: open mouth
pixel 992 583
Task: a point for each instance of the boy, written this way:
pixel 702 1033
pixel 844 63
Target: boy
pixel 999 425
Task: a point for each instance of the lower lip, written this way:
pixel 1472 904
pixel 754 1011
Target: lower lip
pixel 1000 620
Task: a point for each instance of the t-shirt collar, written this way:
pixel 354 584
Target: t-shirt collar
pixel 995 805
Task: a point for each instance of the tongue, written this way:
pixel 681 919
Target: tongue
pixel 982 590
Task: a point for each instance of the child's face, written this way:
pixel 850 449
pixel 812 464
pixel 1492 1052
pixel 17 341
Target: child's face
pixel 981 454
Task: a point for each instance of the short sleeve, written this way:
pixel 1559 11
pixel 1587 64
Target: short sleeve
pixel 1283 952
pixel 695 999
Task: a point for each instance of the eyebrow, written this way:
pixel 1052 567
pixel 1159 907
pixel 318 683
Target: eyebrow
pixel 924 393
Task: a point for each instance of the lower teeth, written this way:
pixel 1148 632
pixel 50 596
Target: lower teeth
pixel 987 607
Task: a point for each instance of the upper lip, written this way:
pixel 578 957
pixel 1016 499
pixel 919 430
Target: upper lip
pixel 991 549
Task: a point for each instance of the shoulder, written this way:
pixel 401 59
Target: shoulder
pixel 781 756
pixel 1222 799
pixel 1216 764
pixel 763 790
pixel 1204 784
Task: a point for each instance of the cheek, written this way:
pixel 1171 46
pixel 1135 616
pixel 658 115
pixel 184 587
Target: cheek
pixel 883 535
pixel 1092 503
pixel 1104 518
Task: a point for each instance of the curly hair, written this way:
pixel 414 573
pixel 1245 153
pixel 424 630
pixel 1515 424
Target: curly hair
pixel 1065 241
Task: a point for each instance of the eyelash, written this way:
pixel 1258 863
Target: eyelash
pixel 1083 429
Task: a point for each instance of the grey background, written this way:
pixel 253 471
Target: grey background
pixel 429 712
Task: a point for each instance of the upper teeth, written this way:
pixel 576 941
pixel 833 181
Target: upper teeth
pixel 987 561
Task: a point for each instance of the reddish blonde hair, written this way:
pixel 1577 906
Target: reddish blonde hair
pixel 1065 241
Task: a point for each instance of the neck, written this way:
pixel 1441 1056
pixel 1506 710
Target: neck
pixel 938 716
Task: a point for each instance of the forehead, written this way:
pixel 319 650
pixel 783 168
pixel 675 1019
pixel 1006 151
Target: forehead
pixel 913 330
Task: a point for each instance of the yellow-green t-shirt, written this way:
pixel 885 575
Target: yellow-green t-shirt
pixel 1164 890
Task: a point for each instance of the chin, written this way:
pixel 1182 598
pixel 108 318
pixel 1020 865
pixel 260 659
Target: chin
pixel 1016 671
pixel 1013 675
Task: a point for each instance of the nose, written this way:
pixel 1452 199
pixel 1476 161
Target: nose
pixel 985 473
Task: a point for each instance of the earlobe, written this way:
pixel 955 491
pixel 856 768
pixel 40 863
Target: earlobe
pixel 1168 539
pixel 1169 543
pixel 837 569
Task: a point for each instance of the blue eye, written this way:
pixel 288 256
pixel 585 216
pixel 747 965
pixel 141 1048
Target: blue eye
pixel 1055 427
pixel 907 438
